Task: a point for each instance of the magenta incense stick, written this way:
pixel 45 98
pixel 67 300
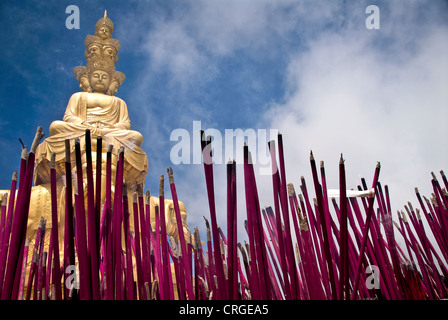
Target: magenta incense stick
pixel 182 235
pixel 208 170
pixel 69 244
pixel 19 223
pixel 165 260
pixel 83 256
pixel 92 221
pixel 54 232
pixel 138 257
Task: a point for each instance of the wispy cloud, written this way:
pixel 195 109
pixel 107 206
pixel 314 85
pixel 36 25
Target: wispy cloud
pixel 371 95
pixel 182 54
pixel 351 94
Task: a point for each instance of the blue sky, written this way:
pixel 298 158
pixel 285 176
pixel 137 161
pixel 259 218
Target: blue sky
pixel 310 69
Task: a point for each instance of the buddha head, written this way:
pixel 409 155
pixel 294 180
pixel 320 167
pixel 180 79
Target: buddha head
pixel 103 32
pixel 93 50
pixel 101 53
pixel 101 72
pixel 104 28
pixel 93 47
pixel 82 75
pixel 100 80
pixel 116 81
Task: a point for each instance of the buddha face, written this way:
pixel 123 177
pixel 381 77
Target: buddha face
pixel 110 52
pixel 84 84
pixel 93 50
pixel 103 32
pixel 113 87
pixel 99 81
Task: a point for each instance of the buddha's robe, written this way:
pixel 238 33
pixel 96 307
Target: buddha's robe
pixel 105 116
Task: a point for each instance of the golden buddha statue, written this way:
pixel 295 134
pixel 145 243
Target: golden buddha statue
pixel 106 116
pixel 98 110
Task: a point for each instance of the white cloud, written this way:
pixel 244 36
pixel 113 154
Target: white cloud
pixel 171 47
pixel 345 96
pixel 371 96
pixel 224 26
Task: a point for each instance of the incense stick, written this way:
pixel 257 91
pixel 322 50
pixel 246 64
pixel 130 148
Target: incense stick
pixel 208 170
pixel 81 237
pixel 69 244
pixel 326 262
pixel 54 231
pixel 19 223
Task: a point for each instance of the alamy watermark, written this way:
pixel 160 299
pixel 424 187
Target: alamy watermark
pixel 373 278
pixel 225 146
pixel 72 21
pixel 72 280
pixel 373 20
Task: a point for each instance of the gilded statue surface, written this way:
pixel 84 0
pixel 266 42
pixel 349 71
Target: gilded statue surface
pixel 98 109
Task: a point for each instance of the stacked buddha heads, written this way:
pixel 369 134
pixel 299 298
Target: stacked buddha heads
pixel 101 53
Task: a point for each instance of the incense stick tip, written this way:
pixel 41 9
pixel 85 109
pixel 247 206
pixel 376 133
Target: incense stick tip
pixel 161 186
pixel 53 160
pixel 170 174
pixel 206 222
pixel 291 191
pixel 404 217
pixel 139 189
pixel 4 199
pixel 39 135
pixel 418 214
pixel 21 142
pixel 24 153
pixel 67 150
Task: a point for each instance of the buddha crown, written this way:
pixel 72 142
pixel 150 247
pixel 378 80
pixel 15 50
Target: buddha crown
pixel 100 63
pixel 105 21
pixel 100 56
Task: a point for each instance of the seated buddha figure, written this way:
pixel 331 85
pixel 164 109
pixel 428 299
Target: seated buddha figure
pixel 104 115
pixel 98 110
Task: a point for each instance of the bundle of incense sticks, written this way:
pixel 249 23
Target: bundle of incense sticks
pixel 340 244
